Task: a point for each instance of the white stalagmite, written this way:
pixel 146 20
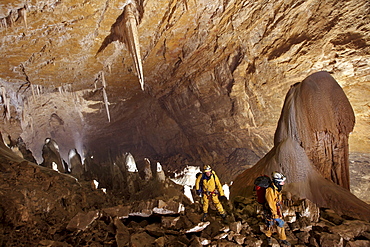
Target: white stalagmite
pixel 226 190
pixel 96 184
pixel 132 41
pixel 130 163
pixel 55 166
pixel 160 173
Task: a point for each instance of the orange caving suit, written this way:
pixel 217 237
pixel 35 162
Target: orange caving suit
pixel 211 189
pixel 274 198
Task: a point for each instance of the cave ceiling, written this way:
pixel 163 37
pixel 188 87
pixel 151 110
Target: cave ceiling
pixel 200 80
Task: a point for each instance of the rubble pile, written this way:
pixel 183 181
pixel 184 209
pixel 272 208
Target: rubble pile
pixel 41 207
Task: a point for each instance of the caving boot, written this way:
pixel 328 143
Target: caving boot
pixel 269 241
pixel 204 217
pixel 284 242
pixel 224 219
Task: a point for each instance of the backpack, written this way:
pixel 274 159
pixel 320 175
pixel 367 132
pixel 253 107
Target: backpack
pixel 261 183
pixel 203 175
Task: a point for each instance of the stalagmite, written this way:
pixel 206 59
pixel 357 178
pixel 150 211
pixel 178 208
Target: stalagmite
pixel 160 173
pixel 316 168
pixel 75 162
pixel 54 166
pixel 130 163
pixel 50 154
pixel 118 180
pixel 147 170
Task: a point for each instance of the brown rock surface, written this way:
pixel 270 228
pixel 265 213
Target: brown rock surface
pixel 215 74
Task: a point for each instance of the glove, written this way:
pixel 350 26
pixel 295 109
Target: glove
pixel 223 198
pixel 198 192
pixel 279 222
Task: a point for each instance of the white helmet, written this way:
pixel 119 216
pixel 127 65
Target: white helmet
pixel 279 177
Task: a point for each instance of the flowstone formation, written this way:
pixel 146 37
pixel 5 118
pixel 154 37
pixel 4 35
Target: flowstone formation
pixel 311 147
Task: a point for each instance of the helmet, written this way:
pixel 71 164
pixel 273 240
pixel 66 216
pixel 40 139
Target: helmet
pixel 207 168
pixel 277 176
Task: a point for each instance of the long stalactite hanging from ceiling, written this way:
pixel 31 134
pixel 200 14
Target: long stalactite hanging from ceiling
pixel 125 31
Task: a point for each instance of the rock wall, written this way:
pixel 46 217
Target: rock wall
pixel 215 73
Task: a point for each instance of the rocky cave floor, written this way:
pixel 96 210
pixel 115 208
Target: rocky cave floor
pixel 40 207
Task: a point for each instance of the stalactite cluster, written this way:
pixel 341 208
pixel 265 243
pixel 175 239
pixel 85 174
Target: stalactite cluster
pixel 13 17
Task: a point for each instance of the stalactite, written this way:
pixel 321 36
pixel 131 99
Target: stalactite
pixel 132 41
pixel 3 23
pixel 125 31
pixel 23 13
pixel 8 109
pixel 3 99
pixel 13 17
pixel 33 91
pixel 10 19
pixel 6 103
pixel 22 113
pixel 106 103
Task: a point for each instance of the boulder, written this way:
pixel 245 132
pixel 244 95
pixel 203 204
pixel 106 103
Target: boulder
pixel 82 221
pixel 142 239
pixel 122 233
pixel 351 229
pixel 119 211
